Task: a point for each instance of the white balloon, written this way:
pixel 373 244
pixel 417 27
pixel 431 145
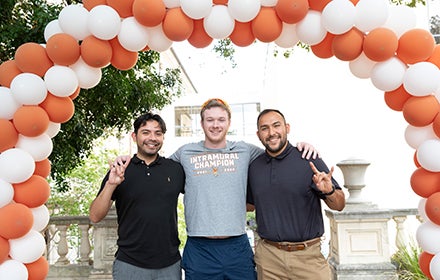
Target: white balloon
pixel 73 20
pixel 28 89
pixel 434 267
pixel 53 129
pixel 133 36
pixel 27 248
pixel 104 22
pixel 8 104
pixel 51 29
pixel 401 18
pixel 171 3
pixel 219 24
pixel 16 165
pixel 269 3
pixel 310 29
pixel 6 193
pixel 41 217
pixel 88 76
pixel 196 9
pixel 388 75
pixel 244 10
pixel 428 155
pixel 361 66
pixel 288 37
pixel 158 41
pixel 332 19
pixel 371 14
pixel 61 80
pixel 427 237
pixel 415 136
pixel 13 270
pixel 39 147
pixel 421 79
pixel 422 212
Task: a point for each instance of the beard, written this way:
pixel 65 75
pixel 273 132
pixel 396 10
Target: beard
pixel 275 149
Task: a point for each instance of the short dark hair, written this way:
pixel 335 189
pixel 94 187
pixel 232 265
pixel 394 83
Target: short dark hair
pixel 142 120
pixel 266 111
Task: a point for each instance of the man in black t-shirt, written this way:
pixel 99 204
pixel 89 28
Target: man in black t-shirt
pixel 145 190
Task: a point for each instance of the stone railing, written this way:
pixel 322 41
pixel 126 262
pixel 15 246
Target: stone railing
pixel 76 249
pixel 361 238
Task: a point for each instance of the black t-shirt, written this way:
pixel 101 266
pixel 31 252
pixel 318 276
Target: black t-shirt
pixel 146 206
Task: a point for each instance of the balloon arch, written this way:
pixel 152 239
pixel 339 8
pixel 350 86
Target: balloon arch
pixel 378 40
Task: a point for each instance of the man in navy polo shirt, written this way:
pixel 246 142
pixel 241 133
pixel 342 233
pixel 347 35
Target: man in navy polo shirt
pixel 286 190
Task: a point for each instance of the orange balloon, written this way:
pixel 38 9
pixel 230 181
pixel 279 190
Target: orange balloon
pixel 75 93
pixel 149 12
pixel 416 161
pixel 420 111
pixel 95 52
pixel 90 4
pixel 220 2
pixel 15 220
pixel 395 99
pixel 318 5
pixel 324 48
pixel 4 249
pixel 424 262
pixel 8 135
pixel 122 59
pixel 33 192
pixel 124 8
pixel 267 26
pixel 59 109
pixel 31 120
pixel 292 11
pixel 199 38
pixel 432 207
pixel 42 168
pixel 63 49
pixel 434 58
pixel 38 270
pixel 415 45
pixel 354 2
pixel 177 26
pixel 348 46
pixel 8 71
pixel 380 44
pixel 242 35
pixel 436 125
pixel 424 183
pixel 32 58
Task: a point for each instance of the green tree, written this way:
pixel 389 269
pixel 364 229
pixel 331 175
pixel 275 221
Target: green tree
pixel 110 105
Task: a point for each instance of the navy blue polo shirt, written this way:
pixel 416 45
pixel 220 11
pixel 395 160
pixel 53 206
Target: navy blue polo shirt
pixel 287 202
pixel 146 206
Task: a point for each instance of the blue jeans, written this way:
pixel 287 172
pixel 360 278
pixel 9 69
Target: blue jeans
pixel 126 271
pixel 218 259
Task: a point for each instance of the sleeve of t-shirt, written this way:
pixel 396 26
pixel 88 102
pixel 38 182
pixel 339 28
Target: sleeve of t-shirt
pixel 254 151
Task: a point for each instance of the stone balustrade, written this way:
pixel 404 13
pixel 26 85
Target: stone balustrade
pixel 359 238
pixel 75 258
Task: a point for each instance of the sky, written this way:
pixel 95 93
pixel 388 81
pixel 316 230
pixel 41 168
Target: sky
pixel 343 116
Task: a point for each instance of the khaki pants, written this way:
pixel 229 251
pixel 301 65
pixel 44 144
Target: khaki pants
pixel 275 264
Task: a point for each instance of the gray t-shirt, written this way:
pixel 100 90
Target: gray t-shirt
pixel 215 187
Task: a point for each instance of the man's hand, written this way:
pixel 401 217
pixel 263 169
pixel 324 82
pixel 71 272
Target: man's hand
pixel 117 172
pixel 308 150
pixel 322 180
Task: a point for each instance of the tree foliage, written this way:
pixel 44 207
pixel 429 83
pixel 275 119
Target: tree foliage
pixel 111 105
